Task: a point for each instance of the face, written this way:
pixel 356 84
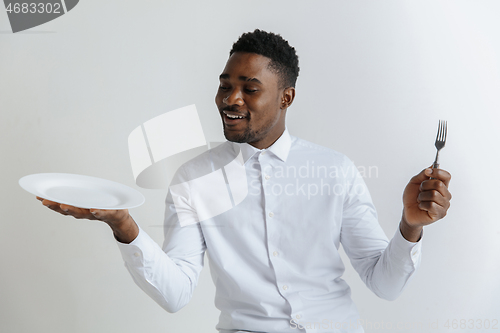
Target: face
pixel 250 102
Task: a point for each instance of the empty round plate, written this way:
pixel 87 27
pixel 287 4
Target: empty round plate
pixel 82 191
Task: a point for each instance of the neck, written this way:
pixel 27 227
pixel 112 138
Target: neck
pixel 268 141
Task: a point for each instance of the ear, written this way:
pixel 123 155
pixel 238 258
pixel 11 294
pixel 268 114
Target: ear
pixel 287 97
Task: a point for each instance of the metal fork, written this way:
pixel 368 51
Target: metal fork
pixel 440 141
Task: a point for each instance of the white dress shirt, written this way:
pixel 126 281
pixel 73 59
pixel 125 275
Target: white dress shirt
pixel 274 256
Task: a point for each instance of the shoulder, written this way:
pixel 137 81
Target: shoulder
pixel 218 152
pixel 205 163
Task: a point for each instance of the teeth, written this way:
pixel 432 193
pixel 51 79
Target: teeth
pixel 234 117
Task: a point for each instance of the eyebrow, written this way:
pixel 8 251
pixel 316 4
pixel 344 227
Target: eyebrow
pixel 241 78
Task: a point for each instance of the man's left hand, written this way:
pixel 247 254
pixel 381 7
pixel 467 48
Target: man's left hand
pixel 425 201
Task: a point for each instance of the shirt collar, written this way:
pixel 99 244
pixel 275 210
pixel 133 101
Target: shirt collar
pixel 280 147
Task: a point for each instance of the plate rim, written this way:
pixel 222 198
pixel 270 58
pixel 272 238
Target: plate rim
pixel 24 181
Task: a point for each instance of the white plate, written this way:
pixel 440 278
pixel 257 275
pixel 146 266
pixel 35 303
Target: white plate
pixel 82 191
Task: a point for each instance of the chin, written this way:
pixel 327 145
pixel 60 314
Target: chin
pixel 235 138
pixel 244 137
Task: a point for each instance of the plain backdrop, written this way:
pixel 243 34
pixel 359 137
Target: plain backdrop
pixel 375 78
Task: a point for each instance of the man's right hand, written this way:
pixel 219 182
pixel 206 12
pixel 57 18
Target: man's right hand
pixel 124 227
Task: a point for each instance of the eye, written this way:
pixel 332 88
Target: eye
pixel 223 88
pixel 250 91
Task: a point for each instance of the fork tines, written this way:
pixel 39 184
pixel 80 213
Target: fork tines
pixel 441 135
pixel 440 140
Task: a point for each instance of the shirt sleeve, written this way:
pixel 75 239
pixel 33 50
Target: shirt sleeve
pixel 170 274
pixel 385 266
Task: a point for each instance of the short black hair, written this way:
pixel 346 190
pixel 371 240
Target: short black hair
pixel 284 60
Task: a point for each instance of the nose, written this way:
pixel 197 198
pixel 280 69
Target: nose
pixel 234 98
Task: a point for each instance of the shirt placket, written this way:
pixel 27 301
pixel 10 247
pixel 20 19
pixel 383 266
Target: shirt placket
pixel 274 223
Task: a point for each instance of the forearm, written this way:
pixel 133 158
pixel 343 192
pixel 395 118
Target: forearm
pixel 167 281
pixel 392 271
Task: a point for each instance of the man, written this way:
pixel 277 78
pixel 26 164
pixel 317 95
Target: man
pixel 274 256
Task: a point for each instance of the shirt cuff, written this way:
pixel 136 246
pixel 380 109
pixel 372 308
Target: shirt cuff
pixel 140 250
pixel 406 250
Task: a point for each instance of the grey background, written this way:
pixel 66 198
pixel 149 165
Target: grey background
pixel 375 78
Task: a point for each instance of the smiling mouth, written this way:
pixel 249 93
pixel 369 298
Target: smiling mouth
pixel 233 115
pixel 232 118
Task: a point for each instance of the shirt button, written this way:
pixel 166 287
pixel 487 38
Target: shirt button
pixel 267 177
pixel 271 214
pixel 136 254
pixel 263 152
pixel 298 316
pixel 275 253
pixel 285 287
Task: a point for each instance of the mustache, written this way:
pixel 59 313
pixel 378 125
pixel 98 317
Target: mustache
pixel 231 108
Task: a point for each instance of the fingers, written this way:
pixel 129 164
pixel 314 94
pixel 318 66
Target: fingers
pixel 417 179
pixel 434 196
pixel 439 182
pixel 78 213
pixel 427 199
pixel 434 210
pixel 425 174
pixel 435 185
pixel 440 174
pixel 109 216
pixel 100 214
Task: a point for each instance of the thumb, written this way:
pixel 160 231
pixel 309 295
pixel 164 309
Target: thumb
pixel 423 175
